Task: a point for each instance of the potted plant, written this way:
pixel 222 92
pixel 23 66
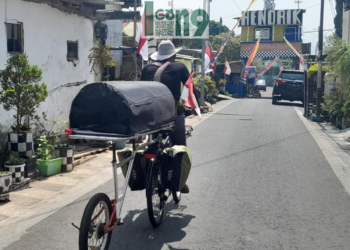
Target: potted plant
pixel 48 164
pixel 22 94
pixel 66 152
pixel 101 59
pixel 15 164
pixel 5 183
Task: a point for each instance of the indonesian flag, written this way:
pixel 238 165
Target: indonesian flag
pixel 208 57
pixel 188 96
pixel 227 69
pixel 141 39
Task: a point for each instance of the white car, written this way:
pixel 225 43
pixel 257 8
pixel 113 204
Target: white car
pixel 261 85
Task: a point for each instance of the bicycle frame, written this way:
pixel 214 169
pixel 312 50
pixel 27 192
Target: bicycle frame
pixel 117 202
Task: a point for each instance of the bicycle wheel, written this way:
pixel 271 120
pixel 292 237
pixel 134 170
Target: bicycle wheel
pixel 176 196
pixel 155 199
pixel 96 216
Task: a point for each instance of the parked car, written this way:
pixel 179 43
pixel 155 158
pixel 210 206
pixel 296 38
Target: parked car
pixel 289 85
pixel 261 85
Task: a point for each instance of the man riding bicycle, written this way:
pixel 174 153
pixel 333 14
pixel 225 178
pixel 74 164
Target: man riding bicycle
pixel 165 70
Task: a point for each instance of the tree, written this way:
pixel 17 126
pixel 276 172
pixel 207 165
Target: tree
pixel 232 49
pixel 216 28
pixel 338 20
pixel 22 92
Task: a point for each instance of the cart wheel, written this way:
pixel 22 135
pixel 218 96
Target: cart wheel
pixel 155 197
pixel 96 216
pixel 176 196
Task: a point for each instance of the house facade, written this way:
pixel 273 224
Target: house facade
pixel 272 26
pixel 57 36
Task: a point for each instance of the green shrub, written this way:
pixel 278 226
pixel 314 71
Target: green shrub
pixel 22 93
pixel 14 159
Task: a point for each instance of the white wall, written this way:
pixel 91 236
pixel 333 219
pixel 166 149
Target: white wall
pixel 46 31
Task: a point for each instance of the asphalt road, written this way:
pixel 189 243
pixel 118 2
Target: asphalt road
pixel 259 181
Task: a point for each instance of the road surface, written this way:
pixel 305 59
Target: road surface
pixel 259 181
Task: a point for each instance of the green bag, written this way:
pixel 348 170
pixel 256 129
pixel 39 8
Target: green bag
pixel 176 166
pixel 137 180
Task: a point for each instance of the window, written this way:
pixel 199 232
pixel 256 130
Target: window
pixel 14 34
pixel 72 50
pixel 293 76
pixel 263 33
pixel 291 34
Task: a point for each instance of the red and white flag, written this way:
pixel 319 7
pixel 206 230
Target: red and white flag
pixel 227 69
pixel 141 39
pixel 208 58
pixel 188 96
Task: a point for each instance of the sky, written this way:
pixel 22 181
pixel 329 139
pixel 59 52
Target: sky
pixel 229 9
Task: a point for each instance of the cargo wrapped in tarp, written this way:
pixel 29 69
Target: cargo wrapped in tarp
pixel 123 108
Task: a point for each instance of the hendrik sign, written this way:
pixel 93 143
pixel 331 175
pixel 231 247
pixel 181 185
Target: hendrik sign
pixel 175 23
pixel 273 17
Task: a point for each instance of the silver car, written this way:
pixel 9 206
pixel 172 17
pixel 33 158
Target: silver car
pixel 261 85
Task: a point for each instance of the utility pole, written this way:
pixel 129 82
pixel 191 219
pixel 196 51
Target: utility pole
pixel 298 2
pixel 135 24
pixel 320 55
pixel 204 44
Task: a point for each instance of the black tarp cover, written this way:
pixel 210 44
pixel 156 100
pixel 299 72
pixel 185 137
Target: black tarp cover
pixel 123 108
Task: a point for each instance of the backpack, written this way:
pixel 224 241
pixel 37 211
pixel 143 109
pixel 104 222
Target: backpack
pixel 176 165
pixel 137 180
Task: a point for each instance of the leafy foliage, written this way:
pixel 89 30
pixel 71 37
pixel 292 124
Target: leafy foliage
pixel 101 58
pixel 337 102
pixel 209 87
pixel 14 159
pixel 45 149
pixel 222 82
pixel 228 94
pixel 216 28
pixel 22 92
pixel 232 49
pixel 334 103
pixel 339 62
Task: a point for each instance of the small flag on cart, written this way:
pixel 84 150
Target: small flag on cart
pixel 188 96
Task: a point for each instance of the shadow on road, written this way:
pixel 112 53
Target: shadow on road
pixel 263 97
pixel 290 104
pixel 137 232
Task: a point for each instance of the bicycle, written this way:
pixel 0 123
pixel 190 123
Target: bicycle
pixel 102 215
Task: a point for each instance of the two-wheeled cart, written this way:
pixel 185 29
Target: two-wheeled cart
pixel 102 215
